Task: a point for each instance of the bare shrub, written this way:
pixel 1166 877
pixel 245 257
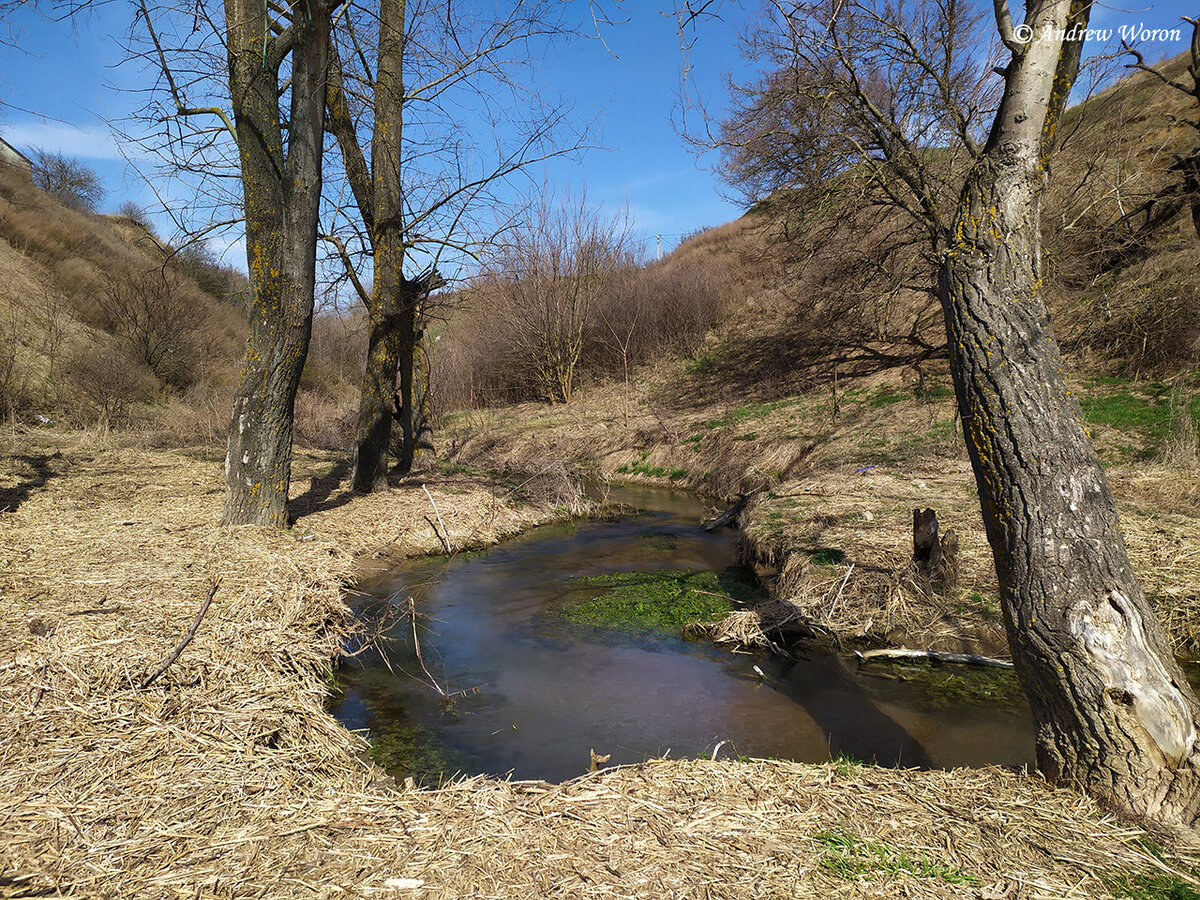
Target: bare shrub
pixel 548 279
pixel 1144 321
pixel 197 261
pixel 14 377
pixel 325 420
pixel 339 346
pixel 134 213
pixel 633 315
pixel 158 317
pixel 104 384
pixel 661 309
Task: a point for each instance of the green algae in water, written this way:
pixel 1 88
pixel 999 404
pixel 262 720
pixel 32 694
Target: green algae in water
pixel 949 687
pixel 665 600
pixel 410 750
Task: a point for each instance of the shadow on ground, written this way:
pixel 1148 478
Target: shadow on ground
pixel 39 471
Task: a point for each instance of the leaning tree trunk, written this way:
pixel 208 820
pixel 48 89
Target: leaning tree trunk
pixel 1113 713
pixel 282 192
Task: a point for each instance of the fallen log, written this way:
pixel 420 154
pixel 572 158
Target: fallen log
pixel 727 517
pixel 965 659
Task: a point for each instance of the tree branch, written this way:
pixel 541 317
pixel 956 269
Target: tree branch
pixel 187 638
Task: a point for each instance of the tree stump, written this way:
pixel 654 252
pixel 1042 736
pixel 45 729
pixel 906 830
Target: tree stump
pixel 935 556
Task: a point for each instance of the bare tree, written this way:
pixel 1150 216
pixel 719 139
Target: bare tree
pixel 274 71
pixel 548 277
pixel 417 196
pixel 157 317
pixel 67 180
pixel 1114 714
pixel 866 119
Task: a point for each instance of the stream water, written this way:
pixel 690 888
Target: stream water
pixel 536 692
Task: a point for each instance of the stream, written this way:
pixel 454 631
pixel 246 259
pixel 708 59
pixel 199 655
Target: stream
pixel 535 691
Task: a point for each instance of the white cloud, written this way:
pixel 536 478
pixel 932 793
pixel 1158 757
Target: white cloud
pixel 91 142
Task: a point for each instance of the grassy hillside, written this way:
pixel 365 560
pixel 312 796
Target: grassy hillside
pixel 829 398
pixel 102 323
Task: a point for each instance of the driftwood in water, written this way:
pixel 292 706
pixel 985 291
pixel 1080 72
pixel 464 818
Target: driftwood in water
pixel 935 556
pixel 728 517
pixel 966 659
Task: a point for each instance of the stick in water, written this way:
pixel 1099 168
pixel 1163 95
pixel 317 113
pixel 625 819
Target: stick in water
pixel 966 659
pixel 187 638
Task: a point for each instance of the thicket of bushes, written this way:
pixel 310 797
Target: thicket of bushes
pixel 96 329
pixel 483 355
pixel 1118 241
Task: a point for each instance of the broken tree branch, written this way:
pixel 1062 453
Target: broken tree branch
pixel 443 534
pixel 187 638
pixel 966 659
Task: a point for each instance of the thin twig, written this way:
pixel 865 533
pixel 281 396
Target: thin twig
pixel 444 534
pixel 838 598
pixel 187 638
pixel 412 608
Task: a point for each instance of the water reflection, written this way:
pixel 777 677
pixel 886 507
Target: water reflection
pixel 542 692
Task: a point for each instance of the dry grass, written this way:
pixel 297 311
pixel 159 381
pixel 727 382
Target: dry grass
pixel 227 778
pixel 842 543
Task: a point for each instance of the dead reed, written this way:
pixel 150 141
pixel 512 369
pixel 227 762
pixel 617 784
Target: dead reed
pixel 227 778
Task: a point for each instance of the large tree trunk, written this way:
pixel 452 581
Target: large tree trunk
pixel 392 311
pixel 392 316
pixel 282 192
pixel 1113 713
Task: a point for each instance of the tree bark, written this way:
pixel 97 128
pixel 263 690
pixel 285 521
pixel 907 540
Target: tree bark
pixel 282 191
pixel 1113 713
pixel 393 307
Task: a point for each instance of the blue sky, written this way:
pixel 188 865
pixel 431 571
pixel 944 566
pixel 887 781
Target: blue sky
pixel 61 82
pixel 68 73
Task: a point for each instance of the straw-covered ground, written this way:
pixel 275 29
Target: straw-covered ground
pixel 226 777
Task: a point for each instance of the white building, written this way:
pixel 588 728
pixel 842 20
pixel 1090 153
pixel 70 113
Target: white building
pixel 11 156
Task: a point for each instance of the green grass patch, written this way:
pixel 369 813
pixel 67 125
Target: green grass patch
pixel 826 556
pixel 846 765
pixel 857 859
pixel 639 466
pixel 886 397
pixel 664 600
pixel 750 411
pixel 1158 886
pixel 1128 412
pixel 705 363
pixel 451 468
pixel 935 392
pixel 1149 412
